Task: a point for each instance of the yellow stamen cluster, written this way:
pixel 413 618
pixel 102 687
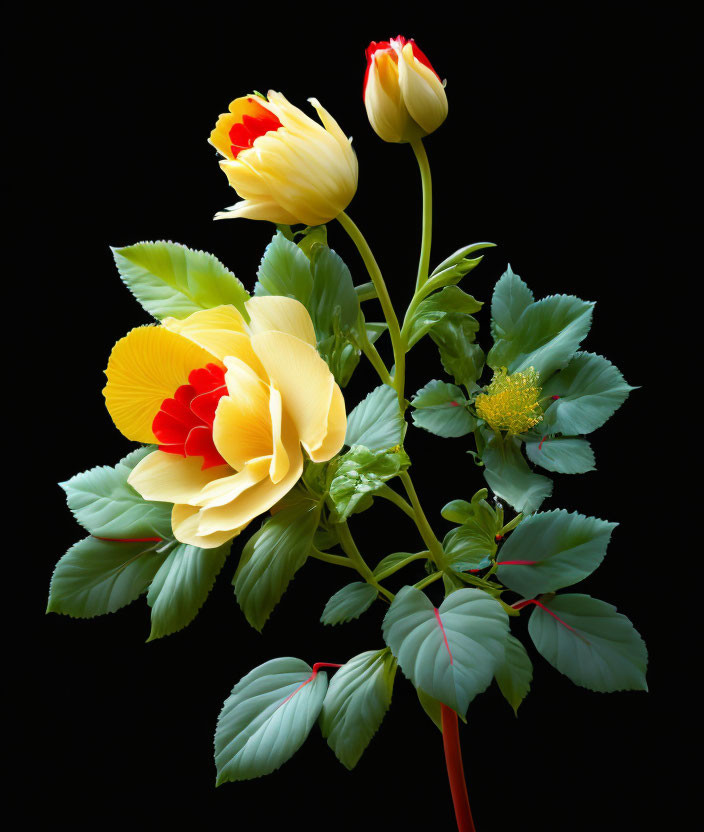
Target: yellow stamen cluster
pixel 511 402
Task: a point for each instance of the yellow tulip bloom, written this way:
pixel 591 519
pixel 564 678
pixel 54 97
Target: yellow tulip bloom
pixel 287 167
pixel 404 96
pixel 229 404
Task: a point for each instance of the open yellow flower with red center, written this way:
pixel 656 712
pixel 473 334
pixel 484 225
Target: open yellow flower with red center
pixel 287 167
pixel 404 96
pixel 229 404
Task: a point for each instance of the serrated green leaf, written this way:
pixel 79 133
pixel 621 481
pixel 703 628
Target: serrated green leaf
pixel 510 299
pixel 348 603
pixel 515 673
pixel 563 455
pixel 461 357
pixel 361 473
pixel 171 280
pixel 545 337
pixel 590 642
pixel 565 548
pixel 590 390
pixel 452 652
pixel 270 559
pixel 284 270
pixel 358 697
pixel 333 304
pixel 96 577
pixel 181 585
pixel 376 422
pixel 441 409
pixel 435 307
pixel 267 718
pixel 509 477
pixel 106 506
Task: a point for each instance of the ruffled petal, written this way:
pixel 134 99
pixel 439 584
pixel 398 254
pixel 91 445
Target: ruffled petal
pixel 145 367
pixel 173 479
pixel 304 381
pixel 336 429
pixel 184 522
pixel 274 312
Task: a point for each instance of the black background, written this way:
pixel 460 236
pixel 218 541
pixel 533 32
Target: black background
pixel 561 144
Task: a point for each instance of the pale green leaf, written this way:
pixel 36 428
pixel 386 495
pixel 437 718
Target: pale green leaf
pixel 358 697
pixel 451 652
pixel 96 577
pixel 270 559
pixel 284 270
pixel 171 280
pixel 565 548
pixel 435 307
pixel 590 642
pixel 348 603
pixel 441 409
pixel 106 506
pixel 460 356
pixel 376 422
pixel 395 561
pixel 360 473
pixel 510 299
pixel 267 718
pixel 509 477
pixel 545 337
pixel 563 455
pixel 181 585
pixel 590 390
pixel 515 673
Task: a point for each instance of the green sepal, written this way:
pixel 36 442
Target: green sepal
pixel 267 718
pixel 171 280
pixel 358 697
pixel 360 473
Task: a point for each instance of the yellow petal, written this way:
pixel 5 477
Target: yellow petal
pixel 336 429
pixel 170 478
pixel 184 522
pixel 422 91
pixel 146 367
pixel 242 427
pixel 221 331
pixel 260 497
pixel 279 460
pixel 282 314
pixel 304 381
pixel 226 489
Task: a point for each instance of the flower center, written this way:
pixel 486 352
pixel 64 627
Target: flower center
pixel 254 123
pixel 184 424
pixel 511 402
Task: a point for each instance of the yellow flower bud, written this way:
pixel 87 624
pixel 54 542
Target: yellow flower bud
pixel 287 167
pixel 511 403
pixel 404 96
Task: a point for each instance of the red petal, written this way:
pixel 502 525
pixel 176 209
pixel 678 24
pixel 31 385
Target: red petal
pixel 200 443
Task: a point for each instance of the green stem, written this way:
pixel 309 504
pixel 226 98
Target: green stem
pixel 389 494
pixel 428 580
pixel 382 576
pixel 386 305
pixel 426 180
pixel 350 547
pixel 365 291
pixel 426 532
pixel 336 559
pixel 372 353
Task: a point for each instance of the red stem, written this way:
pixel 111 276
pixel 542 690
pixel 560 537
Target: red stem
pixel 455 770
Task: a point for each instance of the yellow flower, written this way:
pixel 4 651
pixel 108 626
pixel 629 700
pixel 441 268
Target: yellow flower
pixel 286 167
pixel 511 403
pixel 230 404
pixel 404 96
